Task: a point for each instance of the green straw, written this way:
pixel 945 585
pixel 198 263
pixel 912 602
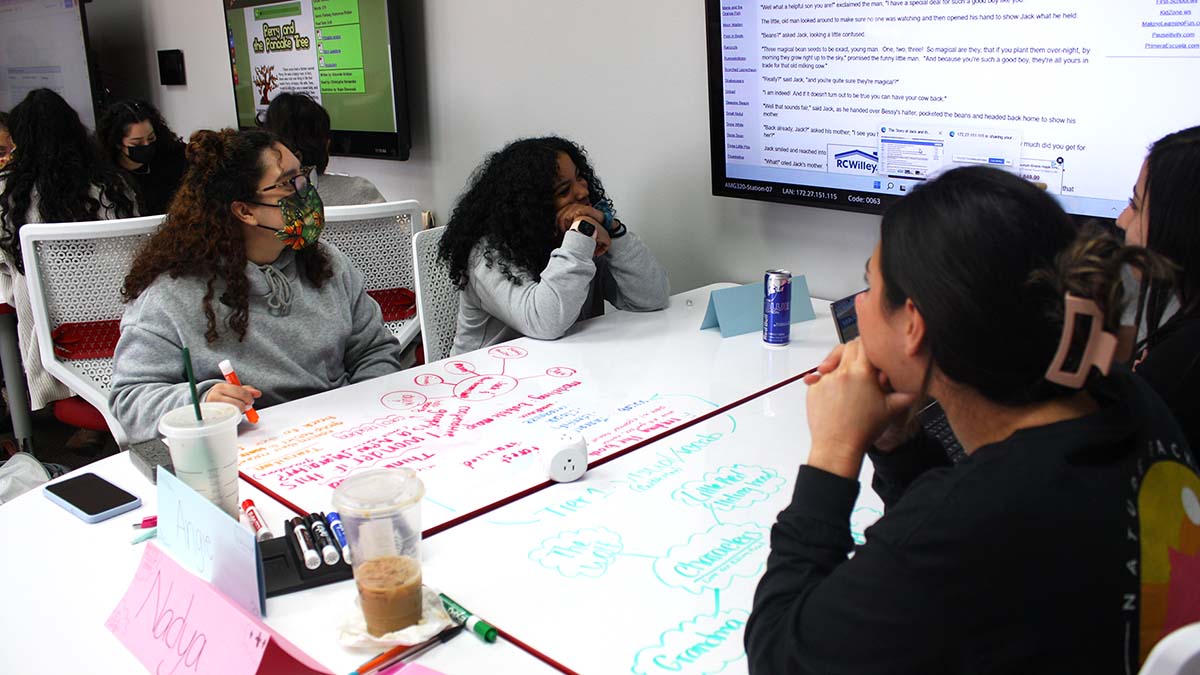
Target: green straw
pixel 187 368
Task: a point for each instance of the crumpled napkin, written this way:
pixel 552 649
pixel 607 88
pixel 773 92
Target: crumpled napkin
pixel 353 631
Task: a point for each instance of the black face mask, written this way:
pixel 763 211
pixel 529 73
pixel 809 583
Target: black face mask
pixel 142 154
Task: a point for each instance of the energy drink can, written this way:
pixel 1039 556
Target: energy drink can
pixel 777 308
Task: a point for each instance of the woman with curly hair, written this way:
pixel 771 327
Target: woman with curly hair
pixel 133 136
pixel 55 175
pixel 236 272
pixel 534 246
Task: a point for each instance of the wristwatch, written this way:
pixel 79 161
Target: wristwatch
pixel 584 227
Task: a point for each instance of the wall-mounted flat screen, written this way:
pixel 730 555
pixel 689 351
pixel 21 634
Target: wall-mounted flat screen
pixel 346 54
pixel 848 104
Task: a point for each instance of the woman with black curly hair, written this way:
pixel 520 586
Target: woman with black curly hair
pixel 55 175
pixel 236 272
pixel 534 246
pixel 133 136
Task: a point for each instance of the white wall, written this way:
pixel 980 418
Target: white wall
pixel 625 78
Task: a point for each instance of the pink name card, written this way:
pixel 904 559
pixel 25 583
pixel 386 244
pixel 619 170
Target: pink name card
pixel 178 624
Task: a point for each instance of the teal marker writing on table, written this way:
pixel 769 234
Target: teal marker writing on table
pixel 473 623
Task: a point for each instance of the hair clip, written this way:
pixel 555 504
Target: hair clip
pixel 1099 350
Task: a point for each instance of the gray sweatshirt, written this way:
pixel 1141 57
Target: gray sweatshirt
pixel 492 308
pixel 338 189
pixel 300 340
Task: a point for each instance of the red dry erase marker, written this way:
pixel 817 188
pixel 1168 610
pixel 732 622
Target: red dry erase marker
pixel 232 378
pixel 261 531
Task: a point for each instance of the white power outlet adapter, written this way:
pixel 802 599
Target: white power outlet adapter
pixel 564 456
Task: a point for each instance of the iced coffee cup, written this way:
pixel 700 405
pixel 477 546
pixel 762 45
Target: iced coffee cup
pixel 205 453
pixel 381 513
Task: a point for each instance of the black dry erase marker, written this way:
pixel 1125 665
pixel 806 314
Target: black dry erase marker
pixel 316 522
pixel 311 560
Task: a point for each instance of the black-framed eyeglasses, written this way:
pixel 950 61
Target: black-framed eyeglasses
pixel 301 183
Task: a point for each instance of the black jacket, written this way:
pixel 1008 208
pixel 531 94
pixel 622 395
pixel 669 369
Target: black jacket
pixel 1048 552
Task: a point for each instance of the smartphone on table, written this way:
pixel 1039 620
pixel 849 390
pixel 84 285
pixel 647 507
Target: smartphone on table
pixel 932 417
pixel 91 498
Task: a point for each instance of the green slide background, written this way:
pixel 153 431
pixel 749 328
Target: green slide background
pixel 368 111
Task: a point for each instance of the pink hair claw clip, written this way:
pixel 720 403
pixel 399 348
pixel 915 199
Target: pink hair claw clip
pixel 1099 351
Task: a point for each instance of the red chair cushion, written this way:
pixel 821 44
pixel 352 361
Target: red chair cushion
pixel 86 339
pixel 397 303
pixel 7 309
pixel 77 412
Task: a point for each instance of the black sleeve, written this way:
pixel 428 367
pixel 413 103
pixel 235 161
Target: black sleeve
pixel 817 612
pixel 1172 368
pixel 896 470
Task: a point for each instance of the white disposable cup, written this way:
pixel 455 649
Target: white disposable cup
pixel 205 453
pixel 381 513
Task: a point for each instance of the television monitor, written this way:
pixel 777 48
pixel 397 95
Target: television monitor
pixel 347 54
pixel 849 104
pixel 44 44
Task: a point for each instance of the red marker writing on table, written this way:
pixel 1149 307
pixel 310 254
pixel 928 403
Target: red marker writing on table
pixel 232 378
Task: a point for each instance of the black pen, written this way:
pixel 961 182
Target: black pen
pixel 418 649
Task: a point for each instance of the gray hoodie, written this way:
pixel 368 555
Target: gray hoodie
pixel 574 285
pixel 300 340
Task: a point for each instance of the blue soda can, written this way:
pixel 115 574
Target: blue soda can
pixel 777 307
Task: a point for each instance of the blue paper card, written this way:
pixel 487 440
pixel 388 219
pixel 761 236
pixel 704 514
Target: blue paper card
pixel 214 546
pixel 739 309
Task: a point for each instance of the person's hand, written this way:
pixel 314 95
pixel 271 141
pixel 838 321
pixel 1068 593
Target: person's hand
pixel 240 396
pixel 603 241
pixel 849 407
pixel 600 236
pixel 570 213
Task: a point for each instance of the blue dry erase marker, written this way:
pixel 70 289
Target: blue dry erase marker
pixel 335 525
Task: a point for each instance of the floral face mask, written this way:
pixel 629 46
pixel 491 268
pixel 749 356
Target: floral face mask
pixel 303 214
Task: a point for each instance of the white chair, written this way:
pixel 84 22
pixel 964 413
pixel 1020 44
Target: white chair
pixel 1176 654
pixel 437 298
pixel 75 272
pixel 378 239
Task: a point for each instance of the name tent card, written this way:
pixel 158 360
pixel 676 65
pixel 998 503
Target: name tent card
pixel 210 543
pixel 739 310
pixel 176 623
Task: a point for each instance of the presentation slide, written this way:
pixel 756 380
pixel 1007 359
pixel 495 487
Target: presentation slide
pixel 850 103
pixel 333 50
pixel 41 45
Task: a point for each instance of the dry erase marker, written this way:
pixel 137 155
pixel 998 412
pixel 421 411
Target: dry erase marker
pixel 339 533
pixel 320 533
pixel 311 560
pixel 232 378
pixel 473 623
pixel 147 533
pixel 261 531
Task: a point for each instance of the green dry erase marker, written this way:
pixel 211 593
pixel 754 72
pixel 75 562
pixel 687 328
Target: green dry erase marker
pixel 473 623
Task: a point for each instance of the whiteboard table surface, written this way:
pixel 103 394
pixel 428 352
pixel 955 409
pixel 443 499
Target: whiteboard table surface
pixel 63 577
pixel 470 425
pixel 648 564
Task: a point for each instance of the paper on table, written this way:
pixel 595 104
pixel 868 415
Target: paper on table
pixel 174 622
pixel 739 309
pixel 210 543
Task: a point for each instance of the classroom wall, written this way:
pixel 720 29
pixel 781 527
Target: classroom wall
pixel 626 78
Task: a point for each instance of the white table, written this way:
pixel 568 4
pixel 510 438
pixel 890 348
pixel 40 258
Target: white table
pixel 57 599
pixel 63 594
pixel 620 380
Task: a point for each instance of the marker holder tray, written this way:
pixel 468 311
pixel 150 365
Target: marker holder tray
pixel 284 570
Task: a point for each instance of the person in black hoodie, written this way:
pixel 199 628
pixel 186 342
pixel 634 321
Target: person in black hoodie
pixel 1068 540
pixel 1164 216
pixel 133 136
